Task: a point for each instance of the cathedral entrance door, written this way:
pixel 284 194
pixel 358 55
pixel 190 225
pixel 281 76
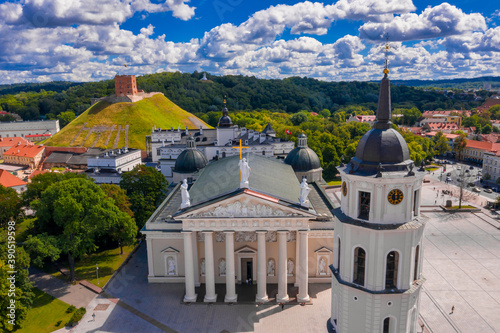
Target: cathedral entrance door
pixel 246 270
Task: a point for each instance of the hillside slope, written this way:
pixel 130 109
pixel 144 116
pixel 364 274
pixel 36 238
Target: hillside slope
pixel 115 125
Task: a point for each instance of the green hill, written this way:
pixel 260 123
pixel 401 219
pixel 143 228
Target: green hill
pixel 107 125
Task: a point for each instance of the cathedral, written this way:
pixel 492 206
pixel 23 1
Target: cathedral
pixel 256 219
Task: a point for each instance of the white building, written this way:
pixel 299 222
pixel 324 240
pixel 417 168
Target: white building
pixel 165 146
pixel 24 128
pixel 228 228
pixel 491 166
pixel 377 248
pixel 108 167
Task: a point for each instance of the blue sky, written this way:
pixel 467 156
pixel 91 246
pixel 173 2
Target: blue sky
pixel 77 40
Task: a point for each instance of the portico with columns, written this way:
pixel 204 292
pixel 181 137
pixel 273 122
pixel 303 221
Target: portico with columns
pixel 267 231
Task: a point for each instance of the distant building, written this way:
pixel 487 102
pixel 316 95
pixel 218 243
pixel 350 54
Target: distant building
pixel 475 150
pixel 362 119
pixel 488 104
pixel 125 85
pixel 15 115
pixel 165 146
pixel 7 143
pixel 9 180
pixel 28 155
pixel 107 168
pixel 28 128
pixel 204 78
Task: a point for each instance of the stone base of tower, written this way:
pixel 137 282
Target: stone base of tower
pixel 357 309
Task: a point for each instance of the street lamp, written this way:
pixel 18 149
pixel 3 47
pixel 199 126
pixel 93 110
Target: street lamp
pixel 97 273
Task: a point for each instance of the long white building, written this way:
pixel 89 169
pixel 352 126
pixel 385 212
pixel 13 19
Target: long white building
pixel 24 128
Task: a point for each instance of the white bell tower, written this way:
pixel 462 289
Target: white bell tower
pixel 376 271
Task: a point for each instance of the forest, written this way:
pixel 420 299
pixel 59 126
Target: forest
pixel 244 93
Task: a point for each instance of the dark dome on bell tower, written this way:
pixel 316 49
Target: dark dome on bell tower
pixel 382 145
pixel 225 120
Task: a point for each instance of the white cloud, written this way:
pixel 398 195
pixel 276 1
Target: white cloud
pixel 439 21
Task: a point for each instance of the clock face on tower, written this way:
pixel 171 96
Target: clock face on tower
pixel 395 196
pixel 344 189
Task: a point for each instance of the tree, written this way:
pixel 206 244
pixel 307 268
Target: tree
pixel 299 117
pixel 119 196
pixel 464 178
pixel 41 182
pixel 13 259
pixel 76 212
pixel 65 118
pixel 325 113
pixel 146 188
pixel 410 116
pixel 486 129
pixel 460 143
pixel 441 145
pixel 10 205
pixel 42 247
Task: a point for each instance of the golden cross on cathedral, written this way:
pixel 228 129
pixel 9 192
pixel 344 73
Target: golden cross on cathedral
pixel 240 147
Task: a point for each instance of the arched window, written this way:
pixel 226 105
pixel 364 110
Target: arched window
pixel 338 257
pixel 387 325
pixel 359 266
pixel 417 254
pixel 391 270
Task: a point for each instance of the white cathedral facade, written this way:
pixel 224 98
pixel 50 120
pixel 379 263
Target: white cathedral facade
pixel 270 222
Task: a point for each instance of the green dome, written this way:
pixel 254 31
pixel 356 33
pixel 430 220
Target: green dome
pixel 190 160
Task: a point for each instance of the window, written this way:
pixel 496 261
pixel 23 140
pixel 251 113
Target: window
pixel 264 152
pixel 387 325
pixel 415 203
pixel 338 257
pixel 364 205
pixel 417 254
pixel 158 152
pixel 359 266
pixel 391 270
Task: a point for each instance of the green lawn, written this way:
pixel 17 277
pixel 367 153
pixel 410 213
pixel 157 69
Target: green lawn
pixel 431 169
pixel 335 181
pixel 108 262
pixel 45 313
pixel 463 207
pixel 22 227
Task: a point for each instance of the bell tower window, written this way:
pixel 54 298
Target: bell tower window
pixel 364 205
pixel 359 266
pixel 391 270
pixel 417 253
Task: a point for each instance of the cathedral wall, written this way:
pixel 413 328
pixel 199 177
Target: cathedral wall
pixel 160 259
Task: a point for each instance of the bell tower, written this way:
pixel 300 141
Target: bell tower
pixel 376 271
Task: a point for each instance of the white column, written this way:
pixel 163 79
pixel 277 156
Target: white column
pixel 189 268
pixel 210 295
pixel 282 273
pixel 149 246
pixel 230 284
pixel 303 271
pixel 261 268
pixel 297 260
pixel 196 264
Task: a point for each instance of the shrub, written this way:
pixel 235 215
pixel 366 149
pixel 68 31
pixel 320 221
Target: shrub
pixel 70 309
pixel 76 317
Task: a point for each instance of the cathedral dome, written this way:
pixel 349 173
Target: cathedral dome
pixel 303 158
pixel 191 159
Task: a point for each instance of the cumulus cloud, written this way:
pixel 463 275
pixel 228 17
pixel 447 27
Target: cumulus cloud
pixel 54 13
pixel 489 41
pixel 439 21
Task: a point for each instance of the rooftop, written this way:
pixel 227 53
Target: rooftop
pixel 9 180
pixel 28 150
pixel 10 142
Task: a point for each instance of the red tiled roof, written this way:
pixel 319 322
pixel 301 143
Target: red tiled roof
pixel 9 180
pixel 489 103
pixel 11 142
pixel 36 135
pixel 484 145
pixel 443 126
pixel 28 150
pixel 429 114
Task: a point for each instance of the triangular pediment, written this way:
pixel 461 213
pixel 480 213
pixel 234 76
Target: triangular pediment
pixel 323 249
pixel 170 250
pixel 246 249
pixel 244 205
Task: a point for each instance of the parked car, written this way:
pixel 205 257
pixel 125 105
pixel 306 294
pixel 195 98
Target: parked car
pixel 471 167
pixel 459 167
pixel 471 184
pixel 475 189
pixel 467 171
pixel 448 174
pixel 488 190
pixel 448 179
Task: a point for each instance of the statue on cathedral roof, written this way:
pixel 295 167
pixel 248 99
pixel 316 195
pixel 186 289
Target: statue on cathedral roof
pixel 245 171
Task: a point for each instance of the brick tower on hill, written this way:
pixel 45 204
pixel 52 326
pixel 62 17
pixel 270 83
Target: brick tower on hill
pixel 125 85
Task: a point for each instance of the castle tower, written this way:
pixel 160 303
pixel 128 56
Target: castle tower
pixel 377 263
pixel 225 128
pixel 125 85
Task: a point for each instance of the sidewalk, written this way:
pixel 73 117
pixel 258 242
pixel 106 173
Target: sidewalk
pixel 76 295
